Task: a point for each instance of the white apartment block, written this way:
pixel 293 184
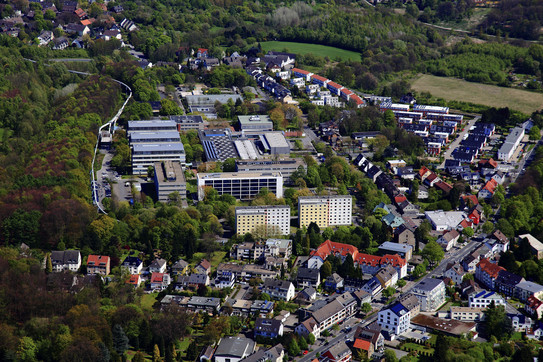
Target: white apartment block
pixel 267 220
pixel 484 299
pixel 325 211
pixel 430 293
pixel 395 319
pixel 512 141
pixel 241 185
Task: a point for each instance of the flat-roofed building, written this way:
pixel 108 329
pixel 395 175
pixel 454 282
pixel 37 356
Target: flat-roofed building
pixel 286 166
pixel 266 220
pixel 241 185
pixel 152 125
pixel 403 250
pixel 145 155
pixel 185 123
pixel 275 143
pixel 430 293
pixel 255 123
pixel 169 178
pixel 153 137
pixel 325 211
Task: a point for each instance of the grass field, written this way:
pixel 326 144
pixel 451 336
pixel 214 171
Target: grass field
pixel 218 256
pixel 315 49
pixel 488 95
pixel 147 300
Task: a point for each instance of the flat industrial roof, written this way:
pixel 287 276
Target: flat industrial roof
pixel 224 175
pixel 142 135
pixel 150 147
pixel 151 123
pixel 276 139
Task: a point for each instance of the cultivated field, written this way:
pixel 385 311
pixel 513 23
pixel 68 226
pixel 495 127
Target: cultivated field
pixel 315 49
pixel 488 95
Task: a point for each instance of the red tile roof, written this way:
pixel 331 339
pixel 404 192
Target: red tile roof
pixel 97 260
pixel 134 279
pixel 431 177
pixel 330 247
pixel 400 198
pixel 467 198
pixel 357 99
pixel 423 170
pixel 346 91
pixel 86 22
pixel 490 162
pixel 205 264
pixel 301 71
pixel 362 344
pixel 533 302
pixel 80 12
pixel 489 268
pixel 491 186
pixel 334 85
pixel 318 77
pixel 466 223
pixel 444 186
pixel 157 277
pixel 202 50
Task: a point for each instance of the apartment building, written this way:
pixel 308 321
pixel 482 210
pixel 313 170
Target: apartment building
pixel 325 211
pixel 279 289
pixel 169 178
pixel 66 260
pixel 484 298
pixel 467 314
pixel 98 264
pixel 430 293
pixel 241 185
pixel 395 319
pixel 512 141
pixel 266 220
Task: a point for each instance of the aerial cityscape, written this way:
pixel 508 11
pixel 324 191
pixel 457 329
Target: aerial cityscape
pixel 237 181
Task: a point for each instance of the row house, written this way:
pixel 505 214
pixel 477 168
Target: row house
pixel 386 106
pixel 445 117
pixel 317 79
pixel 334 87
pixel 66 260
pixel 300 73
pixel 484 299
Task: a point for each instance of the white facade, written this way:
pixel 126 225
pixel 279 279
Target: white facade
pixel 241 185
pixel 467 314
pixel 512 141
pixel 394 319
pixel 66 260
pixel 484 299
pixel 430 293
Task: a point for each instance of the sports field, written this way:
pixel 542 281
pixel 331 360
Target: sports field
pixel 315 49
pixel 489 95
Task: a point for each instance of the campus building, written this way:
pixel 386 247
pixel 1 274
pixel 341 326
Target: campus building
pixel 512 141
pixel 169 178
pixel 145 155
pixel 325 211
pixel 286 166
pixel 265 220
pixel 241 185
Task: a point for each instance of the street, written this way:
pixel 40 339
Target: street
pixel 454 256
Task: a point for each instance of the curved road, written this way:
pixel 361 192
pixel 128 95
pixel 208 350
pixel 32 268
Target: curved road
pixel 110 124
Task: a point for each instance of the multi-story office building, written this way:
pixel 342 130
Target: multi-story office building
pixel 154 141
pixel 286 166
pixel 267 220
pixel 151 125
pixel 169 178
pixel 241 185
pixel 145 155
pixel 325 211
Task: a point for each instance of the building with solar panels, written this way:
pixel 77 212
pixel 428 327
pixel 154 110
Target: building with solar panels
pixel 217 144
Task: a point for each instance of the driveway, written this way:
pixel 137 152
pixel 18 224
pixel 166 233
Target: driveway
pixel 457 141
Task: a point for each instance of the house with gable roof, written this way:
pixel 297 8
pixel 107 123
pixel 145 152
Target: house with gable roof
pixel 488 190
pixel 98 264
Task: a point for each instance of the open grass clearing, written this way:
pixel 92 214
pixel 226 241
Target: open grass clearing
pixel 216 259
pixel 147 301
pixel 315 49
pixel 452 89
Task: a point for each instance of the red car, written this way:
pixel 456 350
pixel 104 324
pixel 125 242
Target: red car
pixel 306 352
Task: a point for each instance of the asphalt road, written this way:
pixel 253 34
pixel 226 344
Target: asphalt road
pixel 457 141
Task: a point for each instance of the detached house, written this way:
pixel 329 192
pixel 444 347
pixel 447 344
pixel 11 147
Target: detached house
pixel 488 190
pixel 180 267
pixel 308 277
pixel 456 273
pixel 279 289
pixel 339 352
pixel 132 265
pixel 98 264
pixel 268 328
pixel 160 281
pixel 157 266
pixel 449 239
pixel 534 306
pixel 203 267
pixel 368 339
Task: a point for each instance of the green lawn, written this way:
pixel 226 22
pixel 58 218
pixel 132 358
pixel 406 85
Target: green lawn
pixel 416 347
pixel 218 256
pixel 315 49
pixel 148 300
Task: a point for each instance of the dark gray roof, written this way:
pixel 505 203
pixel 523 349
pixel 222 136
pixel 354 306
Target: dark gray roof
pixel 267 325
pixel 235 347
pixel 275 283
pixel 65 257
pixel 429 284
pixel 308 273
